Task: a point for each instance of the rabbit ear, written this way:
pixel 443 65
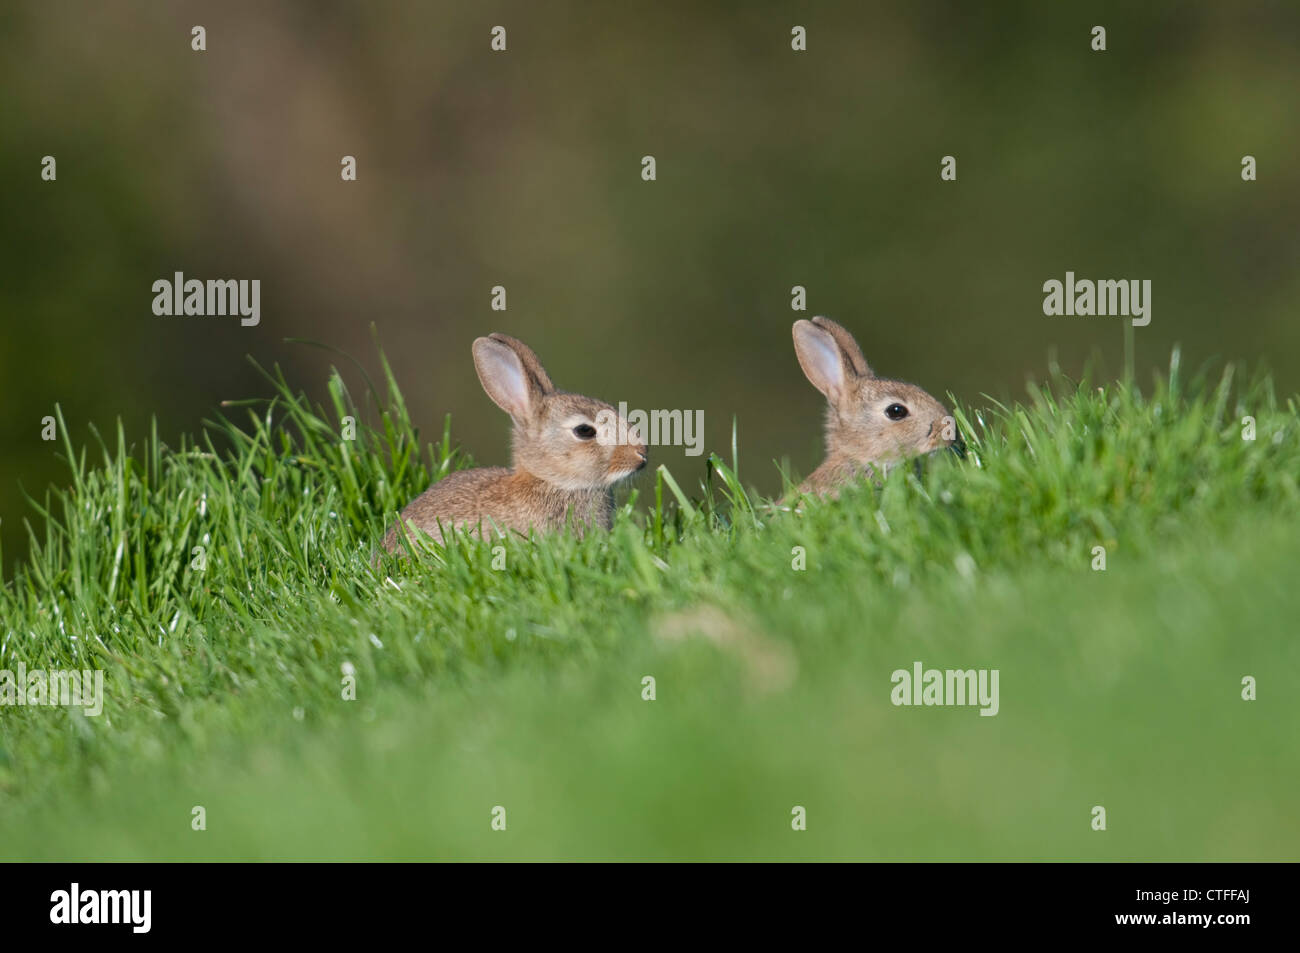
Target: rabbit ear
pixel 506 379
pixel 823 361
pixel 531 364
pixel 852 353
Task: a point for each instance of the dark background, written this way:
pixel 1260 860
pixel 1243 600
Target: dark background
pixel 522 168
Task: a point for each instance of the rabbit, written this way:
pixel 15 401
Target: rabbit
pixel 871 422
pixel 558 467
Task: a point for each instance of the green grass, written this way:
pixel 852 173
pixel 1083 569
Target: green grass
pixel 522 686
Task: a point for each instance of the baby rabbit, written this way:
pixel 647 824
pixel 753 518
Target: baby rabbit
pixel 559 465
pixel 870 421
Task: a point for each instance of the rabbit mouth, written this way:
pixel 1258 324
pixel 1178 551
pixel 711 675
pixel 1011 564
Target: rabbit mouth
pixel 623 473
pixel 626 473
pixel 957 447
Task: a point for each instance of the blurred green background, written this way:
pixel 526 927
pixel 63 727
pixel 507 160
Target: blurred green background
pixel 522 169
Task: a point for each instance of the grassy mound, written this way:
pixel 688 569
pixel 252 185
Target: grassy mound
pixel 225 588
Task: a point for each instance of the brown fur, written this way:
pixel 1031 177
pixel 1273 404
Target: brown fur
pixel 860 438
pixel 555 476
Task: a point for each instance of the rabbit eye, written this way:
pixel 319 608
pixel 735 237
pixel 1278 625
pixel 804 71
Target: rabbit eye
pixel 895 411
pixel 584 431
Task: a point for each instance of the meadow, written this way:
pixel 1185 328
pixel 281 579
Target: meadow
pixel 225 586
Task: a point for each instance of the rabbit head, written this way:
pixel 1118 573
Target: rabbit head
pixel 567 440
pixel 869 419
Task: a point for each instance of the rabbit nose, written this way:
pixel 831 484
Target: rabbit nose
pixel 643 456
pixel 958 446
